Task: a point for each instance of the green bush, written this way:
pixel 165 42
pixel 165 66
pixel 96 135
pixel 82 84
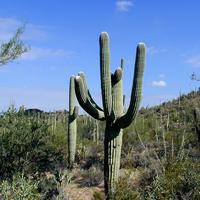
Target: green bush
pixel 180 180
pixel 98 196
pixel 125 190
pixel 19 188
pixel 26 145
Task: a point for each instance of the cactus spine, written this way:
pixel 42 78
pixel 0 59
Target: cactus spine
pixel 72 124
pixel 113 107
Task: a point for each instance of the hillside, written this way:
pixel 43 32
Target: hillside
pixel 160 154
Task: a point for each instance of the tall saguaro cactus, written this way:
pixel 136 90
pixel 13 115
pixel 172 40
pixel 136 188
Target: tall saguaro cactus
pixel 113 107
pixel 72 125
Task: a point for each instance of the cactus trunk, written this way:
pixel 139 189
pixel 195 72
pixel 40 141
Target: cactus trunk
pixel 113 136
pixel 112 155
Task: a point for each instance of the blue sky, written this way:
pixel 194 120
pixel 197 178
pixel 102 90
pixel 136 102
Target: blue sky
pixel 63 36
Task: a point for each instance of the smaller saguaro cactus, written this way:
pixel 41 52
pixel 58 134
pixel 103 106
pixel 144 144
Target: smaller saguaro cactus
pixel 72 124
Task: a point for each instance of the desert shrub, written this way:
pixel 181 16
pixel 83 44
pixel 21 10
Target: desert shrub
pixel 75 174
pixel 26 145
pixel 176 177
pixel 91 154
pixel 125 189
pixel 98 196
pixel 130 140
pixel 48 187
pixel 51 185
pixel 180 180
pixel 64 176
pixel 134 159
pixel 19 188
pixel 58 139
pixel 92 177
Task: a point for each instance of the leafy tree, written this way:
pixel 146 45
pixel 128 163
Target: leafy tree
pixel 12 49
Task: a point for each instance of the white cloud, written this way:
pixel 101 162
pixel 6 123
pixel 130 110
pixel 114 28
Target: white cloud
pixel 9 25
pixel 39 53
pixel 124 5
pixel 152 50
pixel 194 60
pixel 159 84
pixel 34 32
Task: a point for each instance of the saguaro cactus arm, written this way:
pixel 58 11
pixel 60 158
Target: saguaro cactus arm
pixel 136 94
pixel 106 86
pixel 116 76
pixel 81 95
pixel 117 93
pixel 89 96
pixel 75 112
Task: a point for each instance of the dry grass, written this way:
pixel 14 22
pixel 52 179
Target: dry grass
pixel 74 192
